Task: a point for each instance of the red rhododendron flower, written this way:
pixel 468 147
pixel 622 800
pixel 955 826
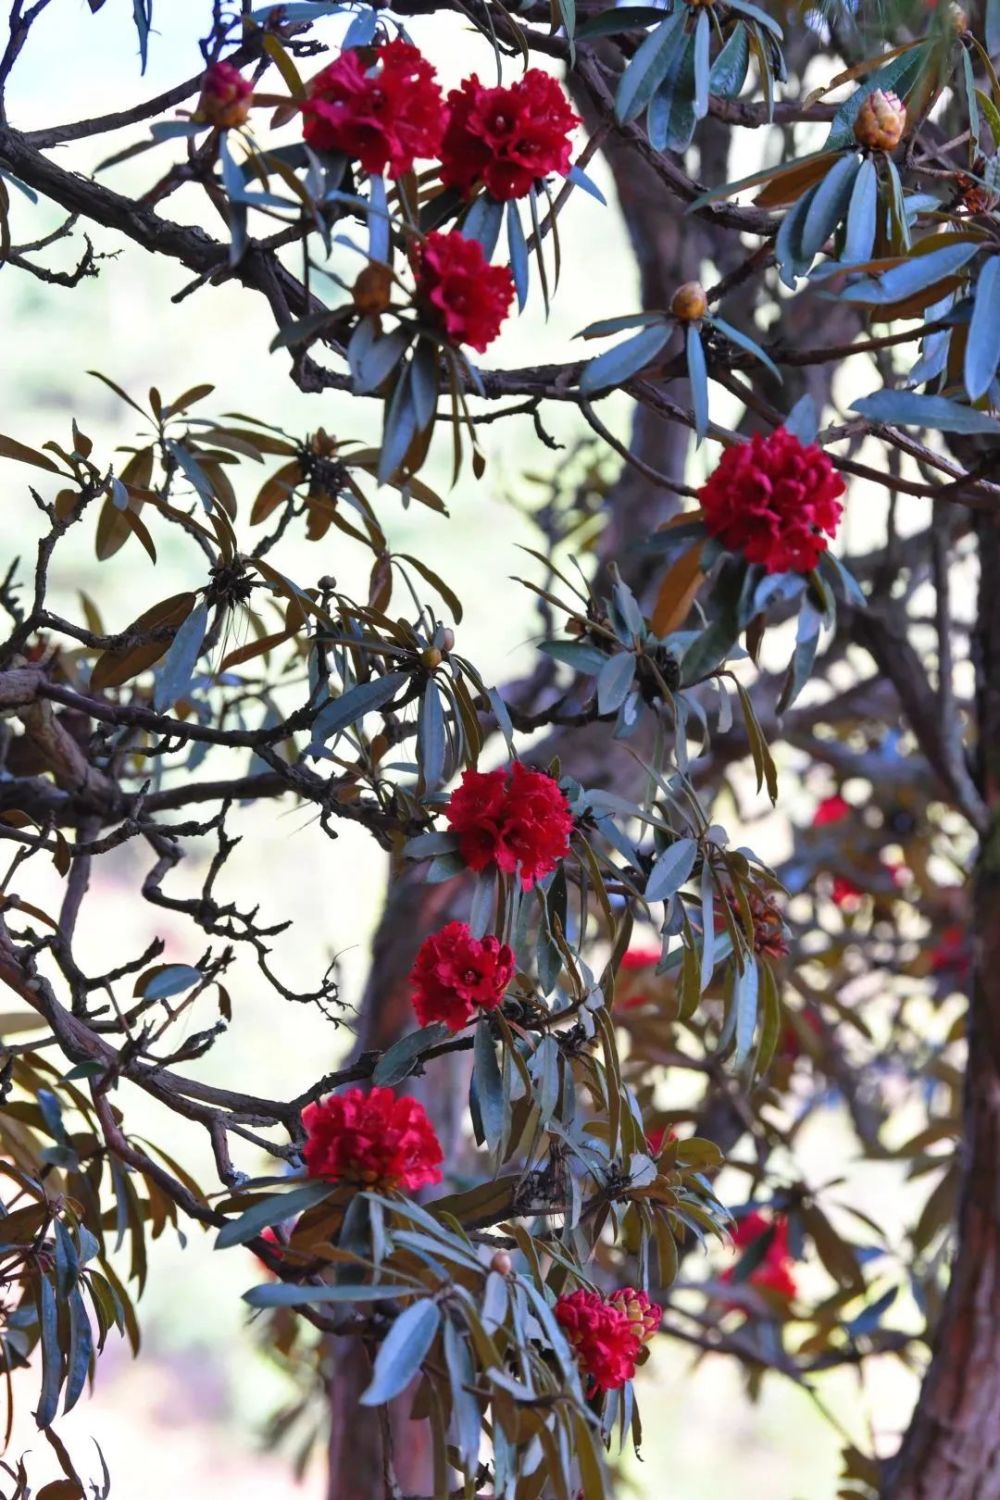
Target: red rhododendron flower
pixel 506 138
pixel 640 958
pixel 385 117
pixel 951 953
pixel 629 992
pixel 225 96
pixel 459 289
pixel 774 1271
pixel 772 499
pixel 516 819
pixel 643 1315
pixel 658 1137
pixel 455 973
pixel 831 810
pixel 372 1140
pixel 602 1335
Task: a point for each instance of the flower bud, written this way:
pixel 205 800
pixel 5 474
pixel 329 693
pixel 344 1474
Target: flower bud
pixel 502 1263
pixel 959 20
pixel 447 640
pixel 431 658
pixel 689 302
pixel 225 96
pixel 373 288
pixel 881 121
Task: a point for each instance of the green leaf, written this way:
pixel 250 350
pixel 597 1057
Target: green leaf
pixel 581 658
pixel 862 214
pixel 760 16
pixel 982 351
pixel 613 22
pixel 649 66
pixel 745 1001
pixel 743 341
pixel 403 1351
pixel 915 274
pixel 489 1088
pixel 806 644
pixel 283 1294
pixel 353 705
pixel 828 204
pixel 792 263
pixel 431 739
pixel 672 869
pixel 624 360
pixel 702 71
pixel 698 377
pixel 729 70
pixel 614 681
pixel 172 979
pixel 937 412
pixel 173 675
pixel 671 119
pixel 271 1210
pixel 399 1060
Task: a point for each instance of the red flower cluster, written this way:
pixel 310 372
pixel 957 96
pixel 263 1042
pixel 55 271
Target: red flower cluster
pixel 952 955
pixel 455 973
pixel 772 499
pixel 460 291
pixel 385 117
pixel 225 96
pixel 638 962
pixel 506 138
pixel 373 1140
pixel 774 1272
pixel 607 1334
pixel 843 891
pixel 519 820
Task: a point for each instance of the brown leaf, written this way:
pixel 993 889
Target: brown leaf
pixel 275 491
pixel 789 183
pixel 115 667
pixel 677 590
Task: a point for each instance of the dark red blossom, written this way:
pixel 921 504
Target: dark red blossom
pixel 772 499
pixel 606 1341
pixel 506 138
pixel 952 954
pixel 384 116
pixel 460 291
pixel 518 820
pixel 225 96
pixel 774 1272
pixel 831 810
pixel 455 974
pixel 371 1140
pixel 636 966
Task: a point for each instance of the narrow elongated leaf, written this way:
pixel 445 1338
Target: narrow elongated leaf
pixel 272 1210
pixel 829 203
pixel 402 1352
pixel 649 66
pixel 862 214
pixel 353 705
pixel 915 274
pixel 400 1060
pixel 745 1001
pixel 729 70
pixel 672 869
pixel 702 71
pixel 282 1294
pixel 115 667
pixel 912 410
pixel 169 979
pixel 614 680
pixel 489 1086
pixel 982 350
pixel 743 341
pixel 173 678
pixel 698 376
pixel 624 361
pixel 10 448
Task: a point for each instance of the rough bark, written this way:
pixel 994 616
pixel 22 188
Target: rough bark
pixel 952 1448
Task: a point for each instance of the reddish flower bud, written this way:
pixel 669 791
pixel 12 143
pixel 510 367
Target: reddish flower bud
pixel 456 974
pixel 384 116
pixel 502 1263
pixel 771 499
pixel 506 138
pixel 372 289
pixel 460 291
pixel 519 821
pixel 643 1315
pixel 880 121
pixel 225 96
pixel 374 1140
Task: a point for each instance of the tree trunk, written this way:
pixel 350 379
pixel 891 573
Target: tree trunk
pixel 952 1448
